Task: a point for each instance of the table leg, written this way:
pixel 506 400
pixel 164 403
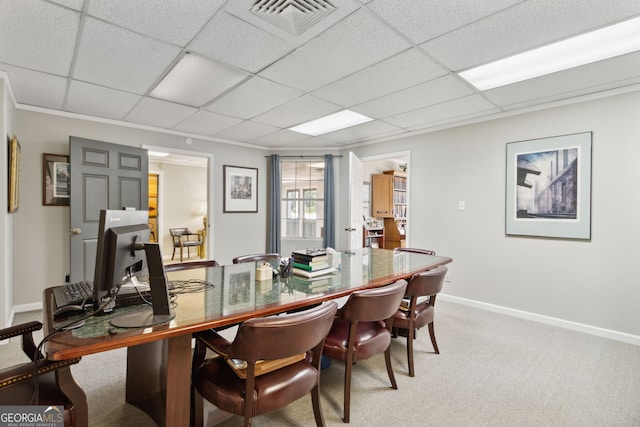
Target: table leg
pixel 159 379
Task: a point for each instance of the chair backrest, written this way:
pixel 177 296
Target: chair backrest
pixel 256 257
pixel 191 264
pixel 374 304
pixel 177 232
pixel 277 337
pixel 416 251
pixel 426 283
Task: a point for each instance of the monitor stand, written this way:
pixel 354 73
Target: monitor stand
pixel 160 311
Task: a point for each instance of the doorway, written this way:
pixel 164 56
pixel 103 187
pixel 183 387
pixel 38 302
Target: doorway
pixel 394 231
pixel 184 198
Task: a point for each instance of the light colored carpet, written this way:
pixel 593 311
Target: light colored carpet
pixel 493 370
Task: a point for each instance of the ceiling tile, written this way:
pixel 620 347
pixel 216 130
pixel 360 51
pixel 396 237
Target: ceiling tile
pixel 433 92
pixel 73 4
pixel 35 88
pixel 398 72
pixel 440 112
pixel 253 97
pixel 363 131
pixel 282 137
pixel 154 112
pixel 120 59
pixel 518 29
pixel 99 101
pixel 573 82
pixel 206 123
pixel 246 131
pixel 421 20
pixel 228 39
pixel 354 43
pixel 170 21
pixel 38 35
pixel 297 111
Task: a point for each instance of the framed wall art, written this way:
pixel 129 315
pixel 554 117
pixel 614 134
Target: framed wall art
pixel 56 180
pixel 240 189
pixel 548 187
pixel 14 174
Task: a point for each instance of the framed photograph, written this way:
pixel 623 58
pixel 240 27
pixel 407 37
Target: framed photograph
pixel 56 181
pixel 548 187
pixel 240 189
pixel 239 287
pixel 14 174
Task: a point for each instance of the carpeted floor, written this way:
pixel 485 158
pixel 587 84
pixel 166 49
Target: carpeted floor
pixel 493 370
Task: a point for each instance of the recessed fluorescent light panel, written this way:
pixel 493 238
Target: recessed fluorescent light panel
pixel 605 43
pixel 340 120
pixel 158 154
pixel 195 81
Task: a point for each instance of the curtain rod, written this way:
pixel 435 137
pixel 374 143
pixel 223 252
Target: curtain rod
pixel 308 157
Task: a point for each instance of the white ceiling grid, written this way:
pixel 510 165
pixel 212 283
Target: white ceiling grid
pixel 395 61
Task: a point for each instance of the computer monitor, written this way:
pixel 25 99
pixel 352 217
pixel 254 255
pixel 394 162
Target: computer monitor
pixel 105 279
pixel 124 252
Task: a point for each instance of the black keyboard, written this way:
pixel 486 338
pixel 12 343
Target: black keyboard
pixel 73 293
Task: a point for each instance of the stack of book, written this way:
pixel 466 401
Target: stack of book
pixel 311 263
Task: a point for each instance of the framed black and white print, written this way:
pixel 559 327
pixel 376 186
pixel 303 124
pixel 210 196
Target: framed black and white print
pixel 548 187
pixel 240 189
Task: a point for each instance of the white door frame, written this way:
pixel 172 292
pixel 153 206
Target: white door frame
pixel 210 189
pixel 407 155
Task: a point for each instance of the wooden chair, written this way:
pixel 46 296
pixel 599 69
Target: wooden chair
pixel 363 329
pixel 190 264
pixel 256 257
pixel 183 238
pixel 416 250
pixel 281 356
pixel 54 385
pixel 417 309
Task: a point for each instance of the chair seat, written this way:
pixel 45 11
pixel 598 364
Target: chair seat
pixel 371 338
pixel 23 391
pixel 217 382
pixel 191 243
pixel 424 316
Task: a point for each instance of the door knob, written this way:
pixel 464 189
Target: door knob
pixel 76 230
pixel 349 229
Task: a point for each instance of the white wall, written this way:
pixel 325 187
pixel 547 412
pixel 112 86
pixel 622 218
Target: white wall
pixel 41 250
pixel 589 282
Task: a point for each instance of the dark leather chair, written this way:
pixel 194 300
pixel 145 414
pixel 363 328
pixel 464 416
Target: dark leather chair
pixel 416 250
pixel 363 329
pixel 190 264
pixel 183 238
pixel 54 386
pixel 264 339
pixel 417 309
pixel 256 257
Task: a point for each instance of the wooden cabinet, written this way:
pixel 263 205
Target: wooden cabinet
pixel 389 201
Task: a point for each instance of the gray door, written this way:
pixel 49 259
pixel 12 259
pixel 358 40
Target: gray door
pixel 103 176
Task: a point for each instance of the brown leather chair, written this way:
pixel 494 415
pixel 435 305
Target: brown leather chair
pixel 363 329
pixel 256 258
pixel 417 309
pixel 190 264
pixel 54 386
pixel 183 238
pixel 264 339
pixel 416 250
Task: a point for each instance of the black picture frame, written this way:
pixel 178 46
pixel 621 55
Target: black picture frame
pixel 56 181
pixel 240 189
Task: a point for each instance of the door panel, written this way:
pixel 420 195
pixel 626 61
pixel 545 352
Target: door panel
pixel 355 202
pixel 103 176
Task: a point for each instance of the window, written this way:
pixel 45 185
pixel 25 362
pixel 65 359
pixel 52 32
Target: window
pixel 302 198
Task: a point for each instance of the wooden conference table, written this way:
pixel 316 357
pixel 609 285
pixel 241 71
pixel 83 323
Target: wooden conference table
pixel 159 357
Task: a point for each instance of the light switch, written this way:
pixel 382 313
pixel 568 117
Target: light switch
pixel 460 205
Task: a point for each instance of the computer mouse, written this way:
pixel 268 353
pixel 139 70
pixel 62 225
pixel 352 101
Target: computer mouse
pixel 68 310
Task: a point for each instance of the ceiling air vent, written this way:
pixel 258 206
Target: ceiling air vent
pixel 296 21
pixel 292 16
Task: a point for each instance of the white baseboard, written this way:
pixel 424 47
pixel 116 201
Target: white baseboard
pixel 554 321
pixel 23 308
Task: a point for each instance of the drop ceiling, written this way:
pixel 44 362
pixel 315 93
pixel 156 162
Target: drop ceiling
pixel 393 60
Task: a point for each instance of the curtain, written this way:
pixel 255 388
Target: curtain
pixel 329 239
pixel 273 214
